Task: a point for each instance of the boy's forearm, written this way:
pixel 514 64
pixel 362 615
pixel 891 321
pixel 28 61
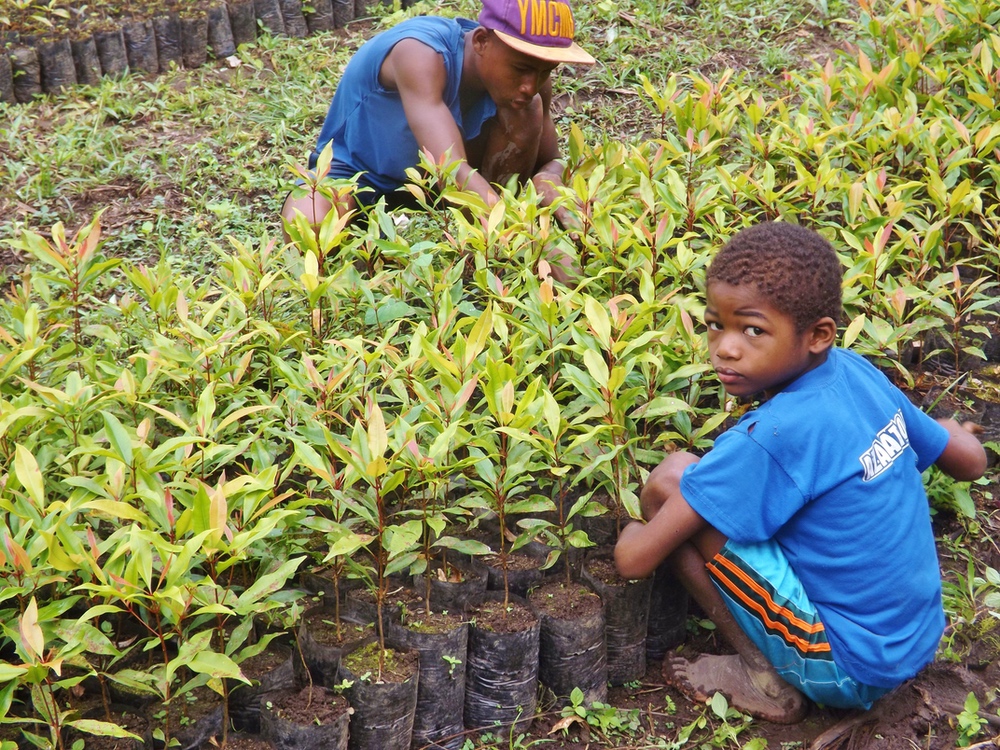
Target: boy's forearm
pixel 964 457
pixel 637 553
pixel 642 547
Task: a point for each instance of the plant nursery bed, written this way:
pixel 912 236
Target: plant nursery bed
pixel 49 47
pixel 192 397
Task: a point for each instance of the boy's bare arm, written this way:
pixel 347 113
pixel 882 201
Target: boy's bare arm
pixel 549 169
pixel 417 72
pixel 964 458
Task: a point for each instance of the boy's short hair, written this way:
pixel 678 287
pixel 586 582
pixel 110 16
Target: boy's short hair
pixel 795 268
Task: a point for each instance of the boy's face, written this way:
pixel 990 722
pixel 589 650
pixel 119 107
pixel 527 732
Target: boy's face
pixel 754 348
pixel 512 78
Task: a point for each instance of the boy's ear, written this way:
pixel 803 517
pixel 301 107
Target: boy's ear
pixel 822 335
pixel 480 36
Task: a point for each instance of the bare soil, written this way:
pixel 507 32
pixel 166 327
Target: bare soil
pixel 311 705
pixel 492 615
pixel 565 602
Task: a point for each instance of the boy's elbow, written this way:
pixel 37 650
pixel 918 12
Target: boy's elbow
pixel 971 465
pixel 964 457
pixel 975 467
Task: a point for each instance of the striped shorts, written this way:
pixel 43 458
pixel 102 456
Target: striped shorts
pixel 768 601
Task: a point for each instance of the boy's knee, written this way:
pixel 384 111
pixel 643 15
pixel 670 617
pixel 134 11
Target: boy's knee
pixel 522 127
pixel 663 481
pixel 671 468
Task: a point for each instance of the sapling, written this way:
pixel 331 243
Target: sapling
pixel 506 454
pixel 373 460
pixel 76 269
pixel 322 238
pixel 443 395
pixel 617 337
pixel 41 671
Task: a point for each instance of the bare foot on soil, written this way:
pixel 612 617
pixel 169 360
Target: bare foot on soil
pixel 763 695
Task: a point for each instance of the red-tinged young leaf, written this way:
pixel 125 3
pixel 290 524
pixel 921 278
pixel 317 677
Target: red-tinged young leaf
pixel 168 504
pixel 32 638
pixel 91 235
pixel 17 554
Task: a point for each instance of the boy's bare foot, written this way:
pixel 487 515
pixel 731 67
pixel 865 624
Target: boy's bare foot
pixel 763 695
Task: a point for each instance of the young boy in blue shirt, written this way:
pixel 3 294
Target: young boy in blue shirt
pixel 804 534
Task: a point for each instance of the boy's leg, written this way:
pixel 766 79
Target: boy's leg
pixel 746 678
pixel 314 207
pixel 508 144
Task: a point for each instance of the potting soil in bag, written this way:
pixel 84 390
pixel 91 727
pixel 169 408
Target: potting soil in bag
pixel 27 73
pixel 320 18
pixel 111 52
pixel 140 47
pixel 455 589
pixel 269 15
pixel 6 79
pixel 343 11
pixel 572 651
pixel 383 711
pixel 626 609
pixel 668 610
pixel 194 40
pixel 311 719
pixel 501 678
pixel 167 29
pixel 220 33
pixel 437 720
pixel 295 21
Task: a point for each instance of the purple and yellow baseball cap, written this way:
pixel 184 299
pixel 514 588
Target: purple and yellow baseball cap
pixel 540 28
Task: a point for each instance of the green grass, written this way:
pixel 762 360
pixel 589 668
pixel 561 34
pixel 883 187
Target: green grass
pixel 182 160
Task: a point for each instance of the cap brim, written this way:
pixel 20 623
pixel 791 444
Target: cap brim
pixel 574 53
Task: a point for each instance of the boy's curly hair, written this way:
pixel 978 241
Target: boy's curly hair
pixel 794 267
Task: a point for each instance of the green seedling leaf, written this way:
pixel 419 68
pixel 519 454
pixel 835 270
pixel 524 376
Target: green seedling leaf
pixel 216 665
pixel 719 705
pixel 29 475
pixel 267 584
pixel 465 546
pixel 10 672
pixel 102 728
pixel 600 322
pixel 121 444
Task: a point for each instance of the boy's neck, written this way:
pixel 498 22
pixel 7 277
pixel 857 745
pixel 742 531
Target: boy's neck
pixel 815 360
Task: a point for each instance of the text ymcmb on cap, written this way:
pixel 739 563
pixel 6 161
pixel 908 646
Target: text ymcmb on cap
pixel 547 18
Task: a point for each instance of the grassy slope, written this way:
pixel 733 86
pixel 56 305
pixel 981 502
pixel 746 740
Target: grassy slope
pixel 180 161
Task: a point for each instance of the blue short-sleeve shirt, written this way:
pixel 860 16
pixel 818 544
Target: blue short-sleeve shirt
pixel 830 469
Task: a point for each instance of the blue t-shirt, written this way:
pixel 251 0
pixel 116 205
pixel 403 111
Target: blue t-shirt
pixel 830 469
pixel 366 121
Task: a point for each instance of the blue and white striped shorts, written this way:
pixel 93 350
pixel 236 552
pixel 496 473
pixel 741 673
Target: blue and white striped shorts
pixel 768 601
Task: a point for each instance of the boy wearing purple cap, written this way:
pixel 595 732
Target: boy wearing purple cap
pixel 480 91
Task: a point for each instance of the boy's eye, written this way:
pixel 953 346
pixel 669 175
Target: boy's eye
pixel 713 325
pixel 753 331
